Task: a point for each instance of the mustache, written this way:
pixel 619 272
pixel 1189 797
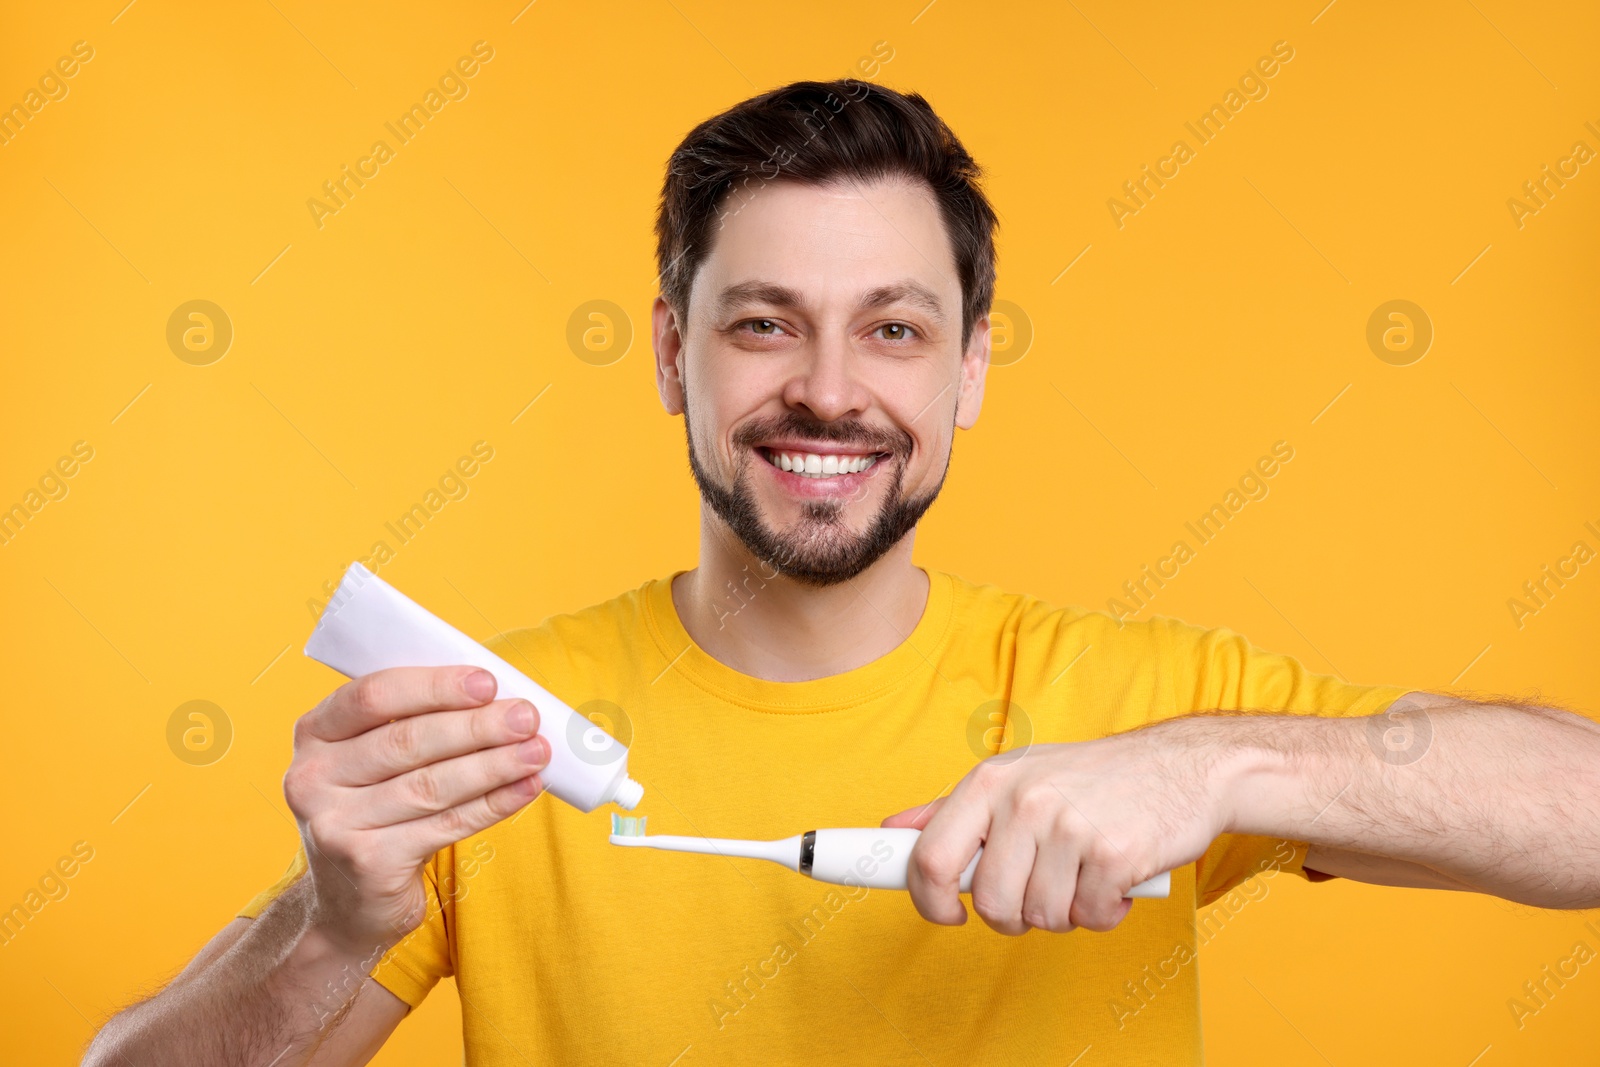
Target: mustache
pixel 795 424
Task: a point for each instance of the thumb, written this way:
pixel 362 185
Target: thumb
pixel 915 818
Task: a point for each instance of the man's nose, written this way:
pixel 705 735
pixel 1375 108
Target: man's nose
pixel 827 380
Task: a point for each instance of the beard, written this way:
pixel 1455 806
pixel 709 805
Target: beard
pixel 818 548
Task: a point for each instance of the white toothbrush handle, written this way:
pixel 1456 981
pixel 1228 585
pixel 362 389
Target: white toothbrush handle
pixel 878 858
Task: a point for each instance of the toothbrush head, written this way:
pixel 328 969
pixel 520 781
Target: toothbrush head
pixel 627 827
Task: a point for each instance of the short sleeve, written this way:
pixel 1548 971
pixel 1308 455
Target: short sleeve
pixel 1219 670
pixel 259 902
pixel 1234 859
pixel 417 961
pixel 414 964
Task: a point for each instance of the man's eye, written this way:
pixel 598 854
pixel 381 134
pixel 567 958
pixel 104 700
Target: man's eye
pixel 896 331
pixel 764 327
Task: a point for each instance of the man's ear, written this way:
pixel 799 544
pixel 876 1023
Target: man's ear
pixel 666 335
pixel 974 371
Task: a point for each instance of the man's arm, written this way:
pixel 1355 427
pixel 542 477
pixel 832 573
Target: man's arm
pixel 1323 863
pixel 1447 793
pixel 281 994
pixel 1435 792
pixel 388 770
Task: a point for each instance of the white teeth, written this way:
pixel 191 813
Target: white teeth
pixel 814 465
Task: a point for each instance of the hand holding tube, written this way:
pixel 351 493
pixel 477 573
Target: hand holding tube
pixel 389 769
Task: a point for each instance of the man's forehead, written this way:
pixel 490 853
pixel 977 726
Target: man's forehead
pixel 863 245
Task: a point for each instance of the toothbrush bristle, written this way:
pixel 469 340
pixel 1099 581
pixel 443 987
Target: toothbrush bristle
pixel 628 825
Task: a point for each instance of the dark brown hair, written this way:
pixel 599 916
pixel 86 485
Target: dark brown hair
pixel 813 133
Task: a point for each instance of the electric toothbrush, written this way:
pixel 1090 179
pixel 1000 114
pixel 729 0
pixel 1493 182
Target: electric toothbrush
pixel 873 858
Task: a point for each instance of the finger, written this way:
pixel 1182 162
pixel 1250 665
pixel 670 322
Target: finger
pixel 376 698
pixel 425 836
pixel 418 740
pixel 440 786
pixel 915 818
pixel 1047 903
pixel 950 839
pixel 1098 903
pixel 1001 880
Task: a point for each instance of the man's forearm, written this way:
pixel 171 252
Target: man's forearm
pixel 272 998
pixel 1500 797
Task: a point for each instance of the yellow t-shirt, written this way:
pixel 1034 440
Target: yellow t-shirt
pixel 569 950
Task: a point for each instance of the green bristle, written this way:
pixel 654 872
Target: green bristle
pixel 628 825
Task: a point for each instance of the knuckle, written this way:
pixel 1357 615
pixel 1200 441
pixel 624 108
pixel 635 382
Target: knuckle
pixel 484 726
pixel 366 694
pixel 988 905
pixel 297 789
pixel 323 834
pixel 363 860
pixel 927 862
pixel 988 772
pixel 1045 916
pixel 1088 917
pixel 1065 823
pixel 1116 859
pixel 1037 800
pixel 403 742
pixel 454 822
pixel 447 684
pixel 423 787
pixel 503 802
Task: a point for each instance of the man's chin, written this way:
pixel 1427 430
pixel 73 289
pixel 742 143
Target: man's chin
pixel 818 557
pixel 820 541
pixel 822 570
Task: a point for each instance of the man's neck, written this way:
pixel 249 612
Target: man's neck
pixel 780 630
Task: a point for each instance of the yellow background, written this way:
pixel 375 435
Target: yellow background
pixel 370 353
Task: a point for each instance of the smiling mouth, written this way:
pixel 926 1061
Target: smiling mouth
pixel 819 464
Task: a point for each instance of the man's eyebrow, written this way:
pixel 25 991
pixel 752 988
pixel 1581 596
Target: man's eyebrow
pixel 757 292
pixel 737 296
pixel 914 293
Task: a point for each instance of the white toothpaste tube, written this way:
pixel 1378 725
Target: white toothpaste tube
pixel 371 626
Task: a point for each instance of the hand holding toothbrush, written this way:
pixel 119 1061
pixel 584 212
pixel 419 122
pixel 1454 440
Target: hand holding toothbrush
pixel 1065 829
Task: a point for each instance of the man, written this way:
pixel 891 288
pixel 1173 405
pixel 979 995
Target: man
pixel 827 267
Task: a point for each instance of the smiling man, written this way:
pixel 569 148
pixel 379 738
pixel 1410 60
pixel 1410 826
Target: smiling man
pixel 827 267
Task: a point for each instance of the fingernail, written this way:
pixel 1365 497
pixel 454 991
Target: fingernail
pixel 520 718
pixel 479 685
pixel 533 751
